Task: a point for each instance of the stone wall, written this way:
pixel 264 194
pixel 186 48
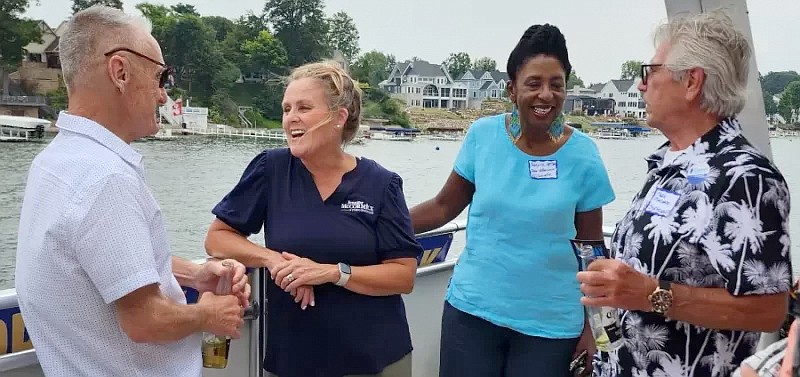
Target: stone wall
pixel 26 111
pixel 36 78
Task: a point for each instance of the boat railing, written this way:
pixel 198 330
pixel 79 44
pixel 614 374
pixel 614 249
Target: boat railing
pixel 423 308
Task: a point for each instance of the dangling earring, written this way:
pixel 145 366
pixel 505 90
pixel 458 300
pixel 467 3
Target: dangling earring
pixel 514 128
pixel 557 128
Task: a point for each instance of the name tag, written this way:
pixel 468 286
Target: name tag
pixel 662 203
pixel 543 169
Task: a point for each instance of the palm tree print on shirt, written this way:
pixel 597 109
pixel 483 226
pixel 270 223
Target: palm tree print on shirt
pixel 729 229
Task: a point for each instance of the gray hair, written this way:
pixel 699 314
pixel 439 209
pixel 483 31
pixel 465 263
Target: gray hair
pixel 87 31
pixel 711 42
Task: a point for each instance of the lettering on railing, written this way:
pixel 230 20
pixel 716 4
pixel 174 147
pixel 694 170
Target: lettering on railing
pixel 13 335
pixel 435 248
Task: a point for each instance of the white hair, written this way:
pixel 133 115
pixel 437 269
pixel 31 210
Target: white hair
pixel 89 30
pixel 711 42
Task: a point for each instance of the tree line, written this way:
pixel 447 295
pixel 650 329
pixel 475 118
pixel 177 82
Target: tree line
pixel 211 53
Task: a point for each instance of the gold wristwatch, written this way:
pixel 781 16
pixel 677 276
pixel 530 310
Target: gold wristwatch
pixel 661 298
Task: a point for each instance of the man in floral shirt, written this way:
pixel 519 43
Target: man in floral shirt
pixel 701 260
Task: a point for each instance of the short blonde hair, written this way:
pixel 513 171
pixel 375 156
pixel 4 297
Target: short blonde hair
pixel 711 42
pixel 340 89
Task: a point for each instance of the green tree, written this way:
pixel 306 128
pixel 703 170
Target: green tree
pixel 16 33
pixel 372 67
pixel 485 64
pixel 770 107
pixel 790 101
pixel 186 9
pixel 630 70
pixel 343 35
pixel 221 25
pixel 301 27
pixel 245 28
pixel 574 80
pixel 79 5
pixel 264 54
pixel 457 64
pixel 775 82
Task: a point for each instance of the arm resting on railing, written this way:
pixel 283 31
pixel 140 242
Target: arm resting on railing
pixel 454 196
pixel 223 241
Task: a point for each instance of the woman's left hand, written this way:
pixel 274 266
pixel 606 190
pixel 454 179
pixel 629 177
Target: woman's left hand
pixel 296 272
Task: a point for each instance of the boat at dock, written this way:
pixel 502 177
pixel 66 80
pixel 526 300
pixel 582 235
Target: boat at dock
pixel 20 128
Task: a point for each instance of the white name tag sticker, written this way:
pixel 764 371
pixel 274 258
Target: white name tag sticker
pixel 543 169
pixel 662 203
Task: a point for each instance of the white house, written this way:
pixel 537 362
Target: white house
pixel 627 97
pixel 484 85
pixel 422 84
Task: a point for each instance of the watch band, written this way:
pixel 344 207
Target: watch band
pixel 665 285
pixel 344 274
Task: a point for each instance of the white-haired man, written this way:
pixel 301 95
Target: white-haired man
pixel 95 280
pixel 701 260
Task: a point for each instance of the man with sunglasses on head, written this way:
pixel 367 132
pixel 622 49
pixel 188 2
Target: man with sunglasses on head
pixel 99 290
pixel 701 260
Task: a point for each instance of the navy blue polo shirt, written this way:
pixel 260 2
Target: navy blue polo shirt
pixel 365 221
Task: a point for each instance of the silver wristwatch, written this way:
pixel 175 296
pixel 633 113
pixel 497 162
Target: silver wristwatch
pixel 344 274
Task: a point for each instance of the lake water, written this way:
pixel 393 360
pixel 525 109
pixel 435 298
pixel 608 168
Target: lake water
pixel 190 175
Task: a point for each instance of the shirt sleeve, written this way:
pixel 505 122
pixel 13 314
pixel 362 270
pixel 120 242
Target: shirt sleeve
pixel 748 239
pixel 597 190
pixel 395 233
pixel 115 246
pixel 244 207
pixel 465 161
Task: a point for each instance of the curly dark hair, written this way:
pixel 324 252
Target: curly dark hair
pixel 539 39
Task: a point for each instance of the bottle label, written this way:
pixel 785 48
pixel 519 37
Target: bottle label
pixel 614 331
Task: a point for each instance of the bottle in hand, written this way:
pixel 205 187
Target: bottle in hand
pixel 216 348
pixel 604 321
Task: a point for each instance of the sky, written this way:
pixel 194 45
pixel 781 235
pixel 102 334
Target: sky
pixel 600 34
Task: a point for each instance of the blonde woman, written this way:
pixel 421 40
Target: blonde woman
pixel 339 242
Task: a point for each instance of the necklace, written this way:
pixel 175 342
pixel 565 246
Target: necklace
pixel 514 140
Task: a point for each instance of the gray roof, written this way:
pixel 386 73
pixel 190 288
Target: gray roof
pixel 425 69
pixel 476 73
pixel 597 87
pixel 486 85
pixel 497 76
pixel 622 85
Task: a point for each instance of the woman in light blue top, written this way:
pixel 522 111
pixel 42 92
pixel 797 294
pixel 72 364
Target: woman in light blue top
pixel 513 305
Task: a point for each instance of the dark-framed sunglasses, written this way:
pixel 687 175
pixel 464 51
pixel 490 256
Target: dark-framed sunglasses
pixel 165 73
pixel 647 69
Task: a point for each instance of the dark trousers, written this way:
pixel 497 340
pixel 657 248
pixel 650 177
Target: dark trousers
pixel 474 347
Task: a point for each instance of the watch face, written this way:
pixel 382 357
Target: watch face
pixel 345 268
pixel 661 301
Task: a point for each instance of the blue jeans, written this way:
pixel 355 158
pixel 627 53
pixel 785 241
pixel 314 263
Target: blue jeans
pixel 474 347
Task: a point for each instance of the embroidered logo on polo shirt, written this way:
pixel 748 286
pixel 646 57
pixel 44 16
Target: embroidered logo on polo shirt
pixel 357 206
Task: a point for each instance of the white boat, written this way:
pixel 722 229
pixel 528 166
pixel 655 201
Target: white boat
pixel 613 134
pixel 443 137
pixel 19 128
pixel 393 136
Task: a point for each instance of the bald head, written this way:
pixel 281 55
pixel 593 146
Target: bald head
pixel 94 31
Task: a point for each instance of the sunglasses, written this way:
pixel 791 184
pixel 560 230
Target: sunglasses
pixel 165 73
pixel 646 70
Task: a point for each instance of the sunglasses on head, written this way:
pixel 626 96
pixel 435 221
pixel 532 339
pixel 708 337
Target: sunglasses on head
pixel 165 73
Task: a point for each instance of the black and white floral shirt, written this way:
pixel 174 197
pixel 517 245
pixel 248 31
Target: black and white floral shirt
pixel 716 216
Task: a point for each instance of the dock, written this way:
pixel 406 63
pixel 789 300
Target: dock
pixel 256 133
